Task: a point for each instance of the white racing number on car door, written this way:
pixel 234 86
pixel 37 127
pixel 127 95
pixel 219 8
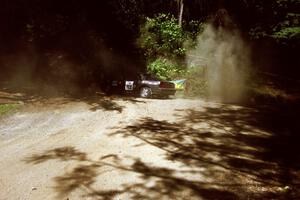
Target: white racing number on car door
pixel 129 85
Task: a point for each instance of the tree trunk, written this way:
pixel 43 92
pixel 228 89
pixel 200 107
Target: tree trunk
pixel 180 15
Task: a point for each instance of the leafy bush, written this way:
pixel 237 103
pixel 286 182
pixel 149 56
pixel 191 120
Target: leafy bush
pixel 165 43
pixel 162 36
pixel 162 41
pixel 165 69
pixel 287 33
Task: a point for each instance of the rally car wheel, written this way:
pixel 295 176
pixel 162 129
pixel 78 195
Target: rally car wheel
pixel 145 92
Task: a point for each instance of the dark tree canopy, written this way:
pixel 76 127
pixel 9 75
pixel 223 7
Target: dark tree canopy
pixel 81 30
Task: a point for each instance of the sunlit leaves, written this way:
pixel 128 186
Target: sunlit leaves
pixel 164 68
pixel 162 36
pixel 162 40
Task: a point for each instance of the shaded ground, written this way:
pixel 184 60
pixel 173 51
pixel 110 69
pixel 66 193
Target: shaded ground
pixel 126 148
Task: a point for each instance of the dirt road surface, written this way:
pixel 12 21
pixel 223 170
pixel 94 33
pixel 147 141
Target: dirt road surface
pixel 127 148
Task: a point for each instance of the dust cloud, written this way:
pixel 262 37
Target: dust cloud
pixel 28 70
pixel 225 59
pixel 57 71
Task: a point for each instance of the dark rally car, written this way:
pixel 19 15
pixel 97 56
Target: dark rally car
pixel 143 85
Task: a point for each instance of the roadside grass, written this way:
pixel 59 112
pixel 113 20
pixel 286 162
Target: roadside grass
pixel 7 108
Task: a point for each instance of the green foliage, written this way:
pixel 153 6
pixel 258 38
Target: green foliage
pixel 162 36
pixel 162 41
pixel 164 45
pixel 165 69
pixel 279 19
pixel 288 32
pixel 6 108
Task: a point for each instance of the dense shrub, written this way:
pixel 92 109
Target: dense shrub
pixel 165 69
pixel 162 42
pixel 162 36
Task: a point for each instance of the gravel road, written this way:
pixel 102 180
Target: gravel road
pixel 128 148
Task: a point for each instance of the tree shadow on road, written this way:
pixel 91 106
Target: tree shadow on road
pixel 63 154
pixel 224 152
pixel 250 126
pixel 152 183
pixel 235 145
pixel 107 105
